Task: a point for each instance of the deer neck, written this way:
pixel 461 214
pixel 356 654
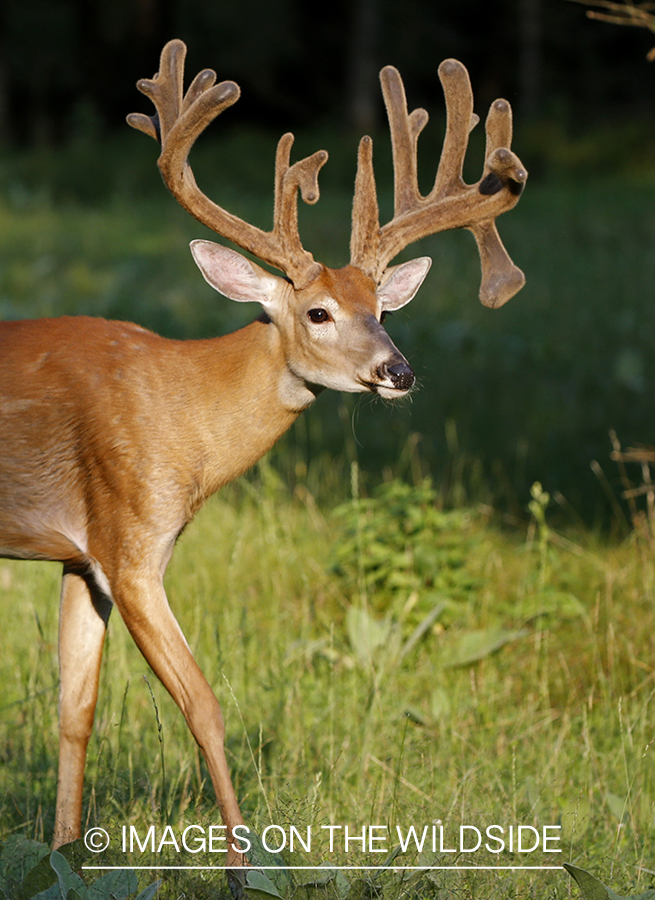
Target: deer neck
pixel 251 398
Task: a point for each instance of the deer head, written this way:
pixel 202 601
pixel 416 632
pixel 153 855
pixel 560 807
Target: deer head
pixel 328 304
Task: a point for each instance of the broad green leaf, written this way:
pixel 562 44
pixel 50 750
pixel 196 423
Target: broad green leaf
pixel 551 602
pixel 593 889
pixel 26 862
pixel 475 645
pixel 116 885
pixel 441 705
pixel 69 881
pixel 258 885
pixel 19 855
pixel 334 878
pixel 42 882
pixel 590 887
pixel 259 855
pixel 616 805
pixel 52 893
pixel 422 628
pixel 366 634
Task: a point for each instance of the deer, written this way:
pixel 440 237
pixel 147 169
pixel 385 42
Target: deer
pixel 113 437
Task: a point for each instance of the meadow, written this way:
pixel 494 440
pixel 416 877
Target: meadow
pixel 431 614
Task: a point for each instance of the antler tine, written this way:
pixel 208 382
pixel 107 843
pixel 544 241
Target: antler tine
pixel 498 127
pixel 301 175
pixel 460 121
pixel 405 130
pixel 451 203
pixel 365 233
pixel 180 118
pixel 165 90
pixel 501 279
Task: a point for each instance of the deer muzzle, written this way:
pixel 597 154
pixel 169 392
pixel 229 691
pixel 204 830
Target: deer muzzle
pixel 399 374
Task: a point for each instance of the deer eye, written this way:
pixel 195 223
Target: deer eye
pixel 318 315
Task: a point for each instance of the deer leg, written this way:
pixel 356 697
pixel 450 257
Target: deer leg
pixel 144 607
pixel 84 613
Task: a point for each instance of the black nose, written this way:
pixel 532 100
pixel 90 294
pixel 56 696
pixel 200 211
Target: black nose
pixel 401 375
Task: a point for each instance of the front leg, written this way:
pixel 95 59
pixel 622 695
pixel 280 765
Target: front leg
pixel 142 602
pixel 83 616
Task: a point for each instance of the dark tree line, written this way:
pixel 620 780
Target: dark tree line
pixel 70 65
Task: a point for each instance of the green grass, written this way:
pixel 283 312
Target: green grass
pixel 527 700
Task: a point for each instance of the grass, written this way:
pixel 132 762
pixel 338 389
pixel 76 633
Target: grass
pixel 527 700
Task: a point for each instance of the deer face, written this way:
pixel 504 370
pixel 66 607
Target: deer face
pixel 331 331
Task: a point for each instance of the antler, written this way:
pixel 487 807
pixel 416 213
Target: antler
pixel 451 203
pixel 180 118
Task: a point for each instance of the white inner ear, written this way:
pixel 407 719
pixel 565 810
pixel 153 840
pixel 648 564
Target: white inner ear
pixel 400 283
pixel 234 276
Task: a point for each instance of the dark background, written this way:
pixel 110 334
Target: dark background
pixel 67 65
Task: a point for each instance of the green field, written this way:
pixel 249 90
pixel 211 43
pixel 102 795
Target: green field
pixel 399 631
pixel 391 664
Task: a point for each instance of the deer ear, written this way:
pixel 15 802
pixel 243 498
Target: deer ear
pixel 400 283
pixel 234 276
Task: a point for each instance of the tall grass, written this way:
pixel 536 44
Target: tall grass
pixel 527 700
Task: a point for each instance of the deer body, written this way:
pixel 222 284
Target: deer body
pixel 191 401
pixel 129 433
pixel 113 437
pixel 119 418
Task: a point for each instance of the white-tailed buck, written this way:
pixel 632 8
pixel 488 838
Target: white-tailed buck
pixel 113 437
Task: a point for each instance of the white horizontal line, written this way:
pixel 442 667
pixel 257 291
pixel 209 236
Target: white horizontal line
pixel 340 868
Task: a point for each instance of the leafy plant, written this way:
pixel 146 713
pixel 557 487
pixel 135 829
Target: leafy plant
pixel 401 553
pixel 29 871
pixel 593 889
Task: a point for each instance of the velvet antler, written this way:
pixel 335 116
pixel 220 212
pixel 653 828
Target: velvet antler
pixel 451 203
pixel 180 118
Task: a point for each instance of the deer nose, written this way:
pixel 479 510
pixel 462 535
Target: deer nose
pixel 400 374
